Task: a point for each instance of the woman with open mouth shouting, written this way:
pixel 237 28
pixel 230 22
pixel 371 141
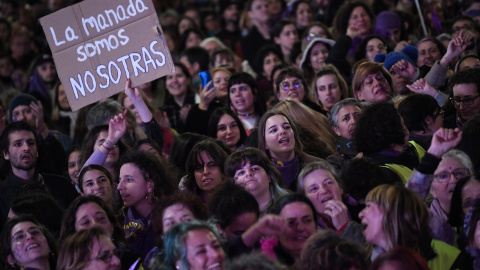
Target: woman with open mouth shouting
pixel 396 216
pixel 244 99
pixel 278 138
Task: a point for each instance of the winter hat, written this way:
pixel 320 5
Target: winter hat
pixel 21 99
pixel 41 59
pixel 409 53
pixel 306 47
pixel 224 4
pixel 387 20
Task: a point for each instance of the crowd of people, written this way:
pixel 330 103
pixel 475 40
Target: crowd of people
pixel 332 135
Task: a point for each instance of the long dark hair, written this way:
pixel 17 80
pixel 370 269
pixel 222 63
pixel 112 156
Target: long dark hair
pixel 215 118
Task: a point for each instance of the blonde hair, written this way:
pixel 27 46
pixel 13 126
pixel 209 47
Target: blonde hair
pixel 405 219
pixel 215 70
pixel 314 129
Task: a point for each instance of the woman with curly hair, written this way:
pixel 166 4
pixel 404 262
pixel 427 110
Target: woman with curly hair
pixel 381 135
pixel 353 22
pixel 143 179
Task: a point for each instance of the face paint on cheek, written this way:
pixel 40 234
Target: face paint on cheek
pixel 17 253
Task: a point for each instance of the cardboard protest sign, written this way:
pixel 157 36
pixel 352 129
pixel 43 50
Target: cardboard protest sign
pixel 97 45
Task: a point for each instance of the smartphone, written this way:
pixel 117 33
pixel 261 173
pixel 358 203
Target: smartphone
pixel 205 77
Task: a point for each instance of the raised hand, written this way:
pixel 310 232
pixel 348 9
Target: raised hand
pixel 443 140
pixel 133 94
pixel 405 69
pixel 421 86
pixel 353 32
pixel 117 127
pixel 138 102
pixel 268 225
pixel 455 47
pixel 37 110
pixel 207 94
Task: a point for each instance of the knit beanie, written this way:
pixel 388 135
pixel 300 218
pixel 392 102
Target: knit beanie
pixel 21 99
pixel 409 53
pixel 387 20
pixel 224 4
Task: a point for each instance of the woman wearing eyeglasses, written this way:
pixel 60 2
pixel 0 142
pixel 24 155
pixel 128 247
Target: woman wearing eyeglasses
pixel 465 87
pixel 438 173
pixel 26 244
pixel 89 249
pixel 291 84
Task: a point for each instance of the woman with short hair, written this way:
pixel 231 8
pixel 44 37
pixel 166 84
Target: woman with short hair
pixel 251 169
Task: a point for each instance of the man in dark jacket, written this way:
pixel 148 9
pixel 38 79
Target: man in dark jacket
pixel 19 147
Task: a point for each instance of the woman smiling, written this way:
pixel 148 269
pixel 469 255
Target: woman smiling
pixel 26 244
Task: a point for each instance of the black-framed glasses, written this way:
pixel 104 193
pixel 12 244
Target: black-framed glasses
pixel 459 173
pixel 106 256
pixel 21 236
pixel 285 86
pixel 441 112
pixel 466 101
pixel 463 27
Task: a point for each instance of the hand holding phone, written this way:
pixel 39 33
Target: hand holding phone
pixel 205 77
